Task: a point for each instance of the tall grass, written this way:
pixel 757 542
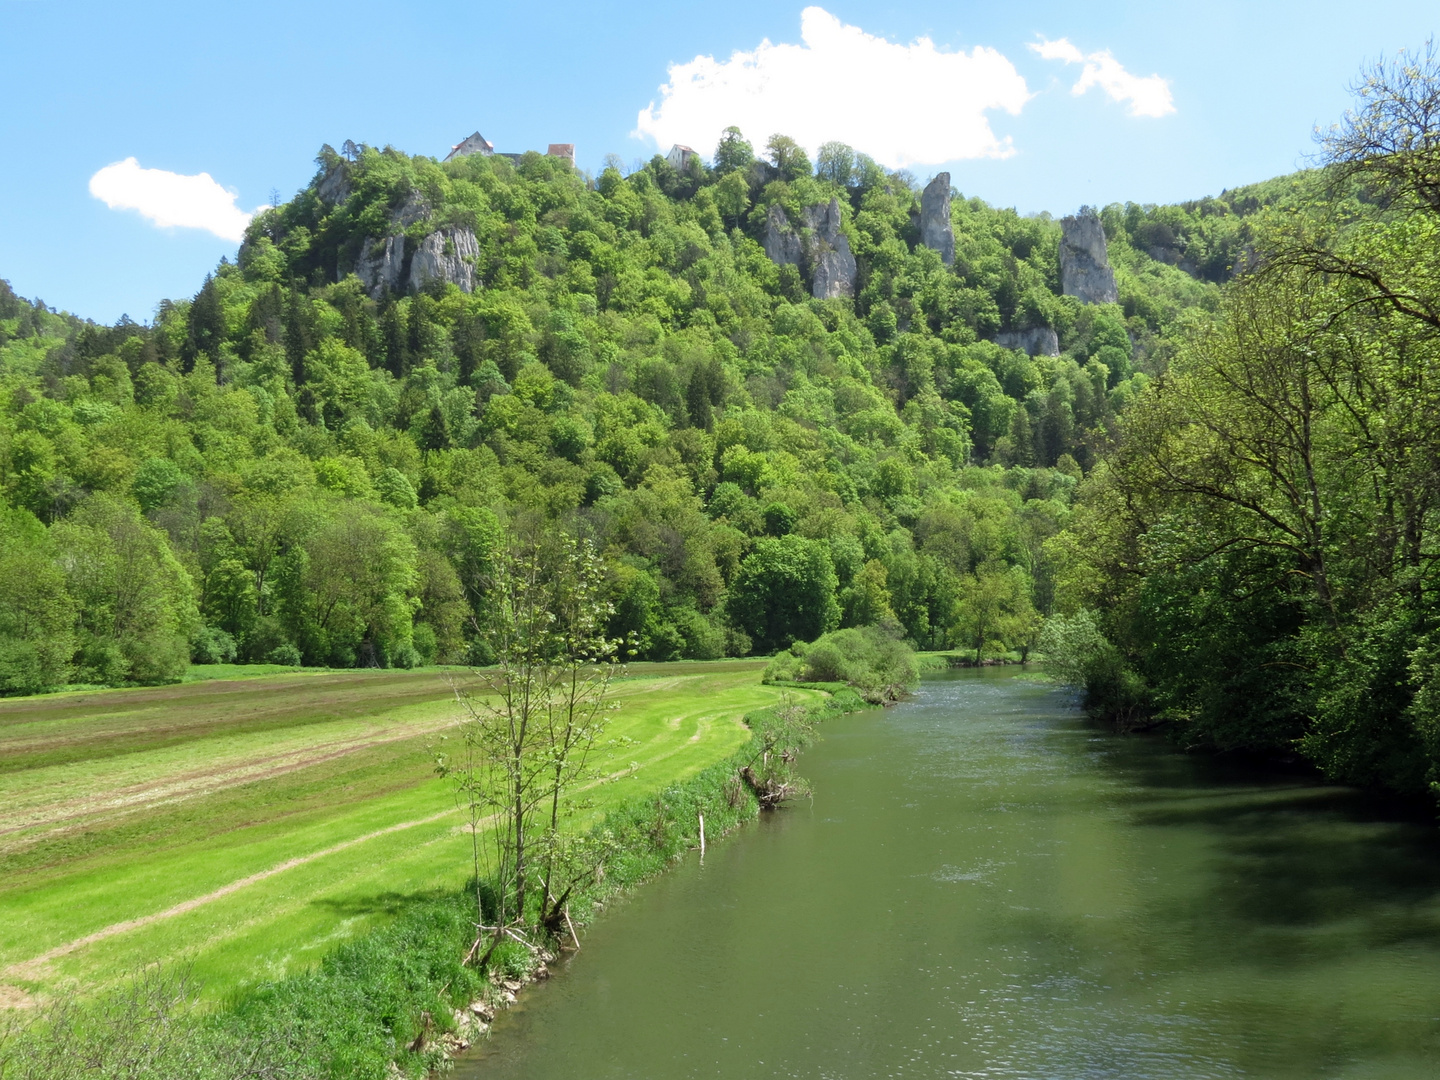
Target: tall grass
pixel 373 1005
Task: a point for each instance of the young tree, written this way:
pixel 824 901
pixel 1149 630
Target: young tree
pixel 529 728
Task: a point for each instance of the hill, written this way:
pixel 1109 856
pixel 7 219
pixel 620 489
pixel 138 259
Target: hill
pixel 313 458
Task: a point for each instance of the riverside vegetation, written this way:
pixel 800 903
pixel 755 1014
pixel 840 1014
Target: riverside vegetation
pixel 1253 566
pixel 1210 508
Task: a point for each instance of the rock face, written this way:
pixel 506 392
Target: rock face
pixel 392 263
pixel 448 255
pixel 935 230
pixel 381 264
pixel 1035 340
pixel 413 209
pixel 832 263
pixel 334 187
pixel 1084 263
pixel 823 250
pixel 782 243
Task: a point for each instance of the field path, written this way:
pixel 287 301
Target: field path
pixel 30 969
pixel 119 755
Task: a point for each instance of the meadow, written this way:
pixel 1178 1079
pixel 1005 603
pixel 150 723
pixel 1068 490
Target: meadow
pixel 245 825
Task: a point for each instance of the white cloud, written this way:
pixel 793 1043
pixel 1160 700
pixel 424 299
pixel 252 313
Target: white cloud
pixel 903 104
pixel 171 199
pixel 1148 96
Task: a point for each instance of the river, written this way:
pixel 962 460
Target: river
pixel 987 886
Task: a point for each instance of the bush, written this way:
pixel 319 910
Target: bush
pixel 872 659
pixel 1079 655
pixel 212 646
pixel 286 654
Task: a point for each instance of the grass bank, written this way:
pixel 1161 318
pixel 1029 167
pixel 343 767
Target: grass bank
pixel 248 826
pixel 397 996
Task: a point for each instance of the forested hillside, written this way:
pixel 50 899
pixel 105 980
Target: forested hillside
pixel 314 458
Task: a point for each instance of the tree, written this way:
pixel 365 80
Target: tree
pixel 732 197
pixel 37 612
pixel 994 609
pixel 788 157
pixel 1392 140
pixel 785 592
pixel 528 729
pixel 346 593
pixel 733 153
pixel 835 162
pixel 136 602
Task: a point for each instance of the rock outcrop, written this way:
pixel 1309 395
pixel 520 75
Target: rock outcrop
pixel 334 186
pixel 413 209
pixel 1084 262
pixel 832 263
pixel 447 255
pixel 823 250
pixel 381 264
pixel 782 242
pixel 1035 340
pixel 935 230
pixel 393 263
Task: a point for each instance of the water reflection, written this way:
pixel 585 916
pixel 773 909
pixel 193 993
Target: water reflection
pixel 985 886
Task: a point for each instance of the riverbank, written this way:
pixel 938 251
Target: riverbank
pixel 397 998
pixel 988 884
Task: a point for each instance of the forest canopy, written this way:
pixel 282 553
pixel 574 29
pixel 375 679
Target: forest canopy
pixel 313 459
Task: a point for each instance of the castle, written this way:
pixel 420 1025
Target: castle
pixel 478 144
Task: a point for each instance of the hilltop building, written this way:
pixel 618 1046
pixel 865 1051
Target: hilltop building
pixel 478 144
pixel 475 144
pixel 680 157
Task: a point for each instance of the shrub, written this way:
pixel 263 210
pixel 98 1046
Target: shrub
pixel 211 645
pixel 1079 655
pixel 872 659
pixel 286 654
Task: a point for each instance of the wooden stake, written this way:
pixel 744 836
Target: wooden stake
pixel 573 936
pixel 702 834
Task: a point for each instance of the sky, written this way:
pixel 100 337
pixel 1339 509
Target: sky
pixel 136 139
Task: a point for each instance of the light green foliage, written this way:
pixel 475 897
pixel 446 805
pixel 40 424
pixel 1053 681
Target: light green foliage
pixel 1260 548
pixel 36 613
pixel 135 600
pixel 632 367
pixel 872 659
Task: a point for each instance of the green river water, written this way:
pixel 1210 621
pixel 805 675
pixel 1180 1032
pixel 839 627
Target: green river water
pixel 987 886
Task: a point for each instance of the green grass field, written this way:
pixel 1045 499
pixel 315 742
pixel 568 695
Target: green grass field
pixel 244 824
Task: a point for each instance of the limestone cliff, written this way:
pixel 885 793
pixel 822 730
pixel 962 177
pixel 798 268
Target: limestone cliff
pixel 832 262
pixel 1084 262
pixel 782 243
pixel 1035 340
pixel 820 249
pixel 334 186
pixel 393 263
pixel 935 230
pixel 447 255
pixel 381 264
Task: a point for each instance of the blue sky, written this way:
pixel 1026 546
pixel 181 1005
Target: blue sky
pixel 247 93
